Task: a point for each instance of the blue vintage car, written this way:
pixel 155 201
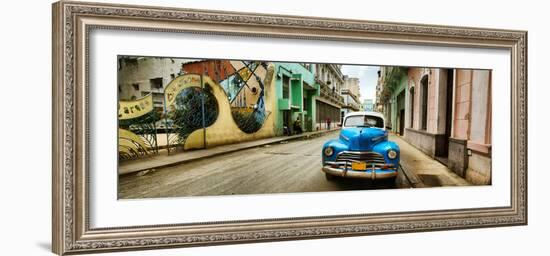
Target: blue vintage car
pixel 362 149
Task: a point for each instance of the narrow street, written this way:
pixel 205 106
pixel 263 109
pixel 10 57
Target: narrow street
pixel 286 167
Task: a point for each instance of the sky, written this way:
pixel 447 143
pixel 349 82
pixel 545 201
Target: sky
pixel 368 76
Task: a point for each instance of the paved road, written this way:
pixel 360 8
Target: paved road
pixel 289 167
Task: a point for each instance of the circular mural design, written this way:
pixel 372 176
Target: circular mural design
pixel 243 83
pixel 249 121
pixel 188 112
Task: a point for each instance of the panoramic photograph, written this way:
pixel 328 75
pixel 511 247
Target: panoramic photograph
pixel 213 127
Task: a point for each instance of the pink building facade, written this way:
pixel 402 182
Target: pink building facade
pixel 448 116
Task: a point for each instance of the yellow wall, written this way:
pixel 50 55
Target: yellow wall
pixel 225 130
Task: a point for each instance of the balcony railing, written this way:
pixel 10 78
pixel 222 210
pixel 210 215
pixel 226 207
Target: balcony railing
pixel 327 93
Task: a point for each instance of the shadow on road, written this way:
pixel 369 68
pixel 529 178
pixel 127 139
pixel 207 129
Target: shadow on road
pixel 362 184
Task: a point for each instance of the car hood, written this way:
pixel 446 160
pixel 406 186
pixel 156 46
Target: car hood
pixel 363 138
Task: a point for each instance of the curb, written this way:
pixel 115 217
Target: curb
pixel 412 178
pixel 282 138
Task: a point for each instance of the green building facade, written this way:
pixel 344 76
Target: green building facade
pixel 392 97
pixel 397 101
pixel 295 89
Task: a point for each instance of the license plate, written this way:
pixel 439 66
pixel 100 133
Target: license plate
pixel 359 166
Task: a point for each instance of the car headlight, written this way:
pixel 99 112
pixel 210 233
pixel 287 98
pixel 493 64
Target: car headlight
pixel 328 151
pixel 392 154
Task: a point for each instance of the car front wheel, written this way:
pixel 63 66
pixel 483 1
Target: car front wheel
pixel 389 181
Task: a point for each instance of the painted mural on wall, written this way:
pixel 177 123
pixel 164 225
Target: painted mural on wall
pixel 137 130
pixel 243 83
pixel 184 97
pixel 194 108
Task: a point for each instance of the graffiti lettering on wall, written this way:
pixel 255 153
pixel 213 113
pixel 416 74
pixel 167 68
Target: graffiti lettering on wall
pixel 135 108
pixel 137 130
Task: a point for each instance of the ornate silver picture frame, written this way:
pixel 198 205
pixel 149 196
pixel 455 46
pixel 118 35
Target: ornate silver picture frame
pixel 72 207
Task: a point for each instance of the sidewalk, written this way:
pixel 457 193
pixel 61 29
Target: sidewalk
pixel 164 160
pixel 424 171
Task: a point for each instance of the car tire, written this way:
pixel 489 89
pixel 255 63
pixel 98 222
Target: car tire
pixel 329 176
pixel 390 181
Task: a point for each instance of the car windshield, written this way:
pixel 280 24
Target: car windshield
pixel 364 121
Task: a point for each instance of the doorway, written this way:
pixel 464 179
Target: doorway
pixel 424 103
pixel 443 155
pixel 287 122
pixel 401 113
pixel 401 122
pixel 448 112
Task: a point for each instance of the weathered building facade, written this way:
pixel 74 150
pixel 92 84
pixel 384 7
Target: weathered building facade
pixel 139 76
pixel 328 104
pixel 295 90
pixel 393 80
pixel 352 84
pixel 470 143
pixel 351 95
pixel 446 113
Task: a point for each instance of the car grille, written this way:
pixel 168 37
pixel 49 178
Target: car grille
pixel 368 157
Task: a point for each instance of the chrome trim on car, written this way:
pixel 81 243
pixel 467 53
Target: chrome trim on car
pixel 368 157
pixel 348 163
pixel 368 174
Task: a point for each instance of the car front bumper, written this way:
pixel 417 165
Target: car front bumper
pixel 372 174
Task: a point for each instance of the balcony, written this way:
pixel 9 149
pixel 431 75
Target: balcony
pixel 327 93
pixel 284 104
pixel 352 106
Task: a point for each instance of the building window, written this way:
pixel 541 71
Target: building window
pixel 136 86
pixel 286 85
pixel 156 83
pixel 424 103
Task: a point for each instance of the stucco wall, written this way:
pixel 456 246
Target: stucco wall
pixel 479 132
pixel 479 169
pixel 422 140
pixel 458 158
pixel 225 130
pixel 432 101
pixel 462 103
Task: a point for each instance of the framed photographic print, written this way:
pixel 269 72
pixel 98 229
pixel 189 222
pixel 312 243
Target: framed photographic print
pixel 179 127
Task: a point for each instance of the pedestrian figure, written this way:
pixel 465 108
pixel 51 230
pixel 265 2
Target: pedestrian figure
pixel 286 129
pixel 297 126
pixel 328 123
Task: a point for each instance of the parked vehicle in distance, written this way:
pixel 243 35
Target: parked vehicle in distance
pixel 362 149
